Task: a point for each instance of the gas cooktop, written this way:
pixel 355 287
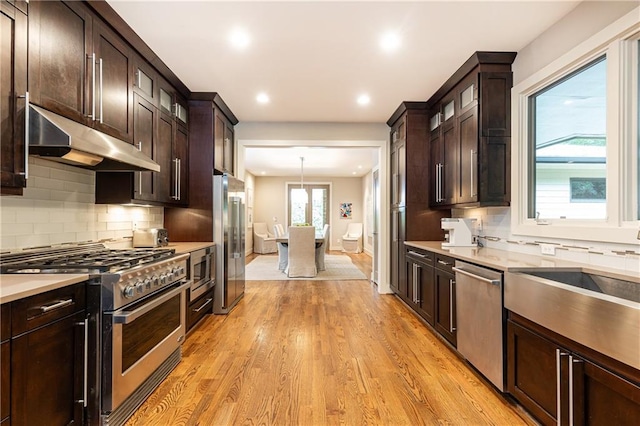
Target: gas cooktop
pixel 84 259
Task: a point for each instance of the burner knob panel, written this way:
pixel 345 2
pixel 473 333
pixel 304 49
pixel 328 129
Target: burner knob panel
pixel 129 291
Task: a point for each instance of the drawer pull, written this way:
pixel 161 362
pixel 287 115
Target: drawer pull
pixel 206 302
pixel 60 304
pixel 442 262
pixel 415 253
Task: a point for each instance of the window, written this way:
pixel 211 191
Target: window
pixel 584 190
pixel 576 143
pixel 309 205
pixel 568 138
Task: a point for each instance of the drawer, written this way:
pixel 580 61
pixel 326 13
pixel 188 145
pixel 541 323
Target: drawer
pixel 420 256
pixel 198 308
pixel 445 263
pixel 35 311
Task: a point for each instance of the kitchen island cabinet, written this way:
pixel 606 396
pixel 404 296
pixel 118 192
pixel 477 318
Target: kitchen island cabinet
pixel 559 384
pixel 13 159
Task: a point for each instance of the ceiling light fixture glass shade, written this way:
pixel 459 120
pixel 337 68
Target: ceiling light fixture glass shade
pixel 300 195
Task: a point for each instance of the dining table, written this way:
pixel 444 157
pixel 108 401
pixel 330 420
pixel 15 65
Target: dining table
pixel 283 251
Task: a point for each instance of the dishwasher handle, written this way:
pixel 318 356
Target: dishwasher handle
pixel 476 277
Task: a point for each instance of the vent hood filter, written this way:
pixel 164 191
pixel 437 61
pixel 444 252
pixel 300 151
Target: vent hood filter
pixel 57 138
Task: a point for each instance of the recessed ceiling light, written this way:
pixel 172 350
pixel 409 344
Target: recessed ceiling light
pixel 390 42
pixel 239 38
pixel 353 173
pixel 263 173
pixel 359 167
pixel 364 99
pixel 262 98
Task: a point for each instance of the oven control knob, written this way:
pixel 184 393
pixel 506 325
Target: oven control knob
pixel 163 279
pixel 140 287
pixel 176 272
pixel 147 283
pixel 129 291
pixel 155 280
pixel 181 270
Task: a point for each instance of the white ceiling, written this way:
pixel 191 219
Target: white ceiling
pixel 314 58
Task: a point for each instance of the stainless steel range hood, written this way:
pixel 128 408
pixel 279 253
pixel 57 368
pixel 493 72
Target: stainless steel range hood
pixel 57 138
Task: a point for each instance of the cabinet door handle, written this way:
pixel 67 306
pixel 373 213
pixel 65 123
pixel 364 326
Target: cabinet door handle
pixel 206 302
pixel 442 262
pixel 472 189
pixel 451 327
pixel 26 134
pixel 559 355
pixel 140 173
pixel 92 116
pixel 572 360
pixel 101 92
pixel 179 178
pixel 416 277
pixel 175 179
pixel 57 305
pixel 85 325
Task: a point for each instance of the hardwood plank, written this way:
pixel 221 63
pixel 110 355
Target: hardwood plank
pixel 317 353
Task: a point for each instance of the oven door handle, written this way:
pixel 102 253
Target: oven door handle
pixel 126 317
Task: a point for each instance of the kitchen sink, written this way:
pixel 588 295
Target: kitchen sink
pixel 596 309
pixel 599 283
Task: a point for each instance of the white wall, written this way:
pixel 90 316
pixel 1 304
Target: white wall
pixel 586 19
pixel 270 201
pixel 58 207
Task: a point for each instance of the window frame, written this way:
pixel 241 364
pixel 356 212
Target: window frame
pixel 619 43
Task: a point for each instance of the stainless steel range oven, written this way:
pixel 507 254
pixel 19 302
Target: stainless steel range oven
pixel 136 301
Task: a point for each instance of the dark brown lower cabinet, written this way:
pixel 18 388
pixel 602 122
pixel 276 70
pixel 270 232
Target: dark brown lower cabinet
pixel 445 298
pixel 47 352
pixel 555 382
pixel 421 283
pixel 198 308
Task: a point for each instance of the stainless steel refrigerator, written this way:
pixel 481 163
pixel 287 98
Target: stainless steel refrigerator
pixel 229 236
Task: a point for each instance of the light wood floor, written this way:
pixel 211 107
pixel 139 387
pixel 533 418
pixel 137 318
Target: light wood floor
pixel 321 353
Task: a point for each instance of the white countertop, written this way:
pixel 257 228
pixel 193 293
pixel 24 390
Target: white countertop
pixel 184 247
pixel 18 286
pixel 506 260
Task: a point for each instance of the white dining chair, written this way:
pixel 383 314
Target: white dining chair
pixel 352 240
pixel 283 248
pixel 322 249
pixel 264 242
pixel 302 248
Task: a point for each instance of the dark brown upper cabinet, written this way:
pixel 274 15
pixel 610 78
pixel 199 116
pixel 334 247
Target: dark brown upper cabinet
pixel 80 68
pixel 470 134
pixel 13 51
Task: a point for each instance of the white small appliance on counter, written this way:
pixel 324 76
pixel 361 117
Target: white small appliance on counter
pixel 458 232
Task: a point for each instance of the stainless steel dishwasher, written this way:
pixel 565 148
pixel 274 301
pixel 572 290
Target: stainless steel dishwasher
pixel 480 320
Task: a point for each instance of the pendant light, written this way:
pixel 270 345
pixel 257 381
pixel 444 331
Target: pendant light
pixel 300 194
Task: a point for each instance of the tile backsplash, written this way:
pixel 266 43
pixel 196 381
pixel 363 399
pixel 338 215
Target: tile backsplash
pixel 496 233
pixel 58 207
